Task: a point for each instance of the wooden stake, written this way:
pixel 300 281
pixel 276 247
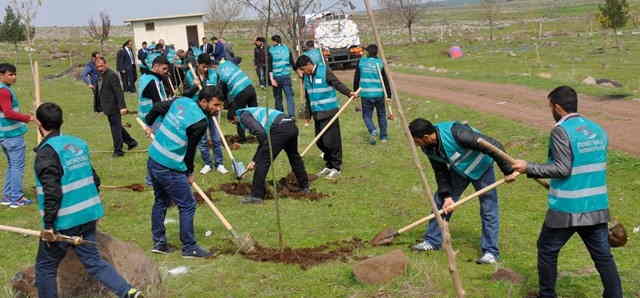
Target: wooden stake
pixel 446 236
pixel 36 95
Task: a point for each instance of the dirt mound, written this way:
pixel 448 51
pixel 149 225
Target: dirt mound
pixel 238 189
pixel 236 139
pixel 209 192
pixel 74 281
pixel 308 257
pixel 287 187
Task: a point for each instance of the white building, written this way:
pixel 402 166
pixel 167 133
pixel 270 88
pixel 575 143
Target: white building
pixel 179 30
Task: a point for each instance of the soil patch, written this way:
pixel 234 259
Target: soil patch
pixel 308 257
pixel 236 139
pixel 209 192
pixel 287 187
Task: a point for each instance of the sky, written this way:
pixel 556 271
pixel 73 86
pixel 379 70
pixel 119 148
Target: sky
pixel 78 12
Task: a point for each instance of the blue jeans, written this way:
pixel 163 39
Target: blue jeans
pixel 171 186
pixel 368 105
pixel 14 149
pixel 488 212
pixel 284 83
pixel 595 237
pixel 51 254
pixel 203 146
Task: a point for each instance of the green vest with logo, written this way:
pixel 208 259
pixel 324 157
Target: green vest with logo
pixel 145 104
pixel 80 199
pixel 586 189
pixel 280 57
pixel 11 128
pixel 212 80
pixel 315 55
pixel 370 81
pixel 322 97
pixel 170 144
pixel 235 79
pixel 466 162
pixel 260 114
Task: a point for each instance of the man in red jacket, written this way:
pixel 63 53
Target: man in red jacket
pixel 12 129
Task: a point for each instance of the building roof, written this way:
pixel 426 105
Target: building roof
pixel 190 15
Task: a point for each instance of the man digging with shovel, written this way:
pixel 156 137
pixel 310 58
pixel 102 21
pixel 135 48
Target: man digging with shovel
pixel 67 191
pixel 458 161
pixel 284 136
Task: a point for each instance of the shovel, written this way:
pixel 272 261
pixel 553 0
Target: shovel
pixel 506 156
pixel 238 167
pixel 75 240
pixel 390 117
pixel 387 236
pixel 326 127
pixel 244 242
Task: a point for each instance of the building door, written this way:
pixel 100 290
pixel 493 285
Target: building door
pixel 192 35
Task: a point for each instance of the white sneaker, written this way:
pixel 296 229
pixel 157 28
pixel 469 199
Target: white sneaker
pixel 324 172
pixel 487 258
pixel 424 246
pixel 221 169
pixel 333 175
pixel 322 155
pixel 205 170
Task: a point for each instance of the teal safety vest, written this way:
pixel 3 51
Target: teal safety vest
pixel 235 79
pixel 170 144
pixel 145 104
pixel 212 80
pixel 280 57
pixel 315 55
pixel 586 189
pixel 322 97
pixel 260 114
pixel 150 57
pixel 11 128
pixel 196 51
pixel 467 163
pixel 171 55
pixel 370 81
pixel 80 199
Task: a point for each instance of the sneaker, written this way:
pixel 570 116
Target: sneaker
pixel 372 139
pixel 20 203
pixel 324 172
pixel 132 145
pixel 333 175
pixel 221 169
pixel 134 293
pixel 162 249
pixel 205 170
pixel 385 140
pixel 487 258
pixel 196 252
pixel 424 246
pixel 251 200
pixel 6 201
pixel 322 155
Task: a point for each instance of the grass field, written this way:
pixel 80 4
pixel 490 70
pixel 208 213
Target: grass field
pixel 379 188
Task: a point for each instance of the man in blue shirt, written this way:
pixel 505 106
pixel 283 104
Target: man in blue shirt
pixel 90 77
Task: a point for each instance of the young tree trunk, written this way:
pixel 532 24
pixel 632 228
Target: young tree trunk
pixel 410 27
pixel 491 29
pixel 16 47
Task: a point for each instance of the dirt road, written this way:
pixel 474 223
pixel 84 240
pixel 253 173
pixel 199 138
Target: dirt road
pixel 621 118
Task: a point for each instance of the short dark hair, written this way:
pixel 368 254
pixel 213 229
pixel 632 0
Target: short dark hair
pixel 204 59
pixel 159 46
pixel 144 42
pixel 565 97
pixel 214 38
pixel 372 50
pixel 303 60
pixel 7 67
pixel 126 43
pixel 209 92
pixel 310 44
pixel 50 116
pixel 261 39
pixel 276 38
pixel 160 60
pixel 94 54
pixel 420 127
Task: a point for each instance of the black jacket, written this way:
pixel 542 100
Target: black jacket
pixel 152 91
pixel 468 139
pixel 195 132
pixel 385 80
pixel 333 81
pixel 255 128
pixel 208 50
pixel 259 58
pixel 125 62
pixel 110 94
pixel 49 172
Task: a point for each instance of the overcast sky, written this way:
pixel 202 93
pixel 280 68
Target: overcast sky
pixel 78 12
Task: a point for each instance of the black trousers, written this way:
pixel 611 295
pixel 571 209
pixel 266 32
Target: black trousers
pixel 118 133
pixel 128 78
pixel 246 98
pixel 96 101
pixel 284 136
pixel 330 143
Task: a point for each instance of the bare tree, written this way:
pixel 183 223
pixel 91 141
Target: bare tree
pixel 27 11
pixel 100 32
pixel 406 11
pixel 491 10
pixel 222 13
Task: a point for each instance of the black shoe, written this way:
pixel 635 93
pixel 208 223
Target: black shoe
pixel 162 249
pixel 118 154
pixel 196 252
pixel 305 190
pixel 132 145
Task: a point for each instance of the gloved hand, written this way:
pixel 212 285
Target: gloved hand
pixel 48 235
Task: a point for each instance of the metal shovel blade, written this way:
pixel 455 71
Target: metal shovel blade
pixel 384 237
pixel 245 243
pixel 238 168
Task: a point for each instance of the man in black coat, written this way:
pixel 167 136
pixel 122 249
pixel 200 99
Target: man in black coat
pixel 206 47
pixel 111 98
pixel 127 66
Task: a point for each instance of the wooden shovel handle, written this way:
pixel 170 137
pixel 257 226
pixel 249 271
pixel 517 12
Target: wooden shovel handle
pixel 384 89
pixel 224 140
pixel 454 206
pixel 144 126
pixel 195 76
pixel 326 127
pixel 20 230
pixel 213 207
pixel 507 157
